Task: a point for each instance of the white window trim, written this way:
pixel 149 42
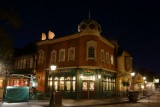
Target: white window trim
pixel 54 52
pixel 71 57
pixel 60 52
pixel 107 57
pixel 93 44
pixel 102 55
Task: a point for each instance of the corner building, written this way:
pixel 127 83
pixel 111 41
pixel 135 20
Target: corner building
pixel 85 60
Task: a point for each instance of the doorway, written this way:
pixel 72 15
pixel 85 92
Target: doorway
pixel 88 89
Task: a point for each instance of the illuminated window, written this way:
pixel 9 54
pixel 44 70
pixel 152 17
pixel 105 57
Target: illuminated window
pixel 50 83
pixel 107 86
pixel 85 86
pixel 112 60
pixel 1 83
pixel 56 83
pixel 68 83
pixel 62 55
pixel 74 84
pixel 62 83
pixel 91 86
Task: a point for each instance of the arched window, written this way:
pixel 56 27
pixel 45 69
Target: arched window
pixel 91 49
pixel 91 52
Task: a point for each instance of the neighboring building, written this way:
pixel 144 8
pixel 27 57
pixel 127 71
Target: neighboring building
pixel 138 82
pixel 24 64
pixel 86 63
pixel 124 69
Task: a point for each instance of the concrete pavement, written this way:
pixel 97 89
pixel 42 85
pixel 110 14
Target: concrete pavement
pixel 69 102
pixel 88 102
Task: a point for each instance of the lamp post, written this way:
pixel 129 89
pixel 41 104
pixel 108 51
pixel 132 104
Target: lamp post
pixel 132 74
pixel 52 100
pixel 144 78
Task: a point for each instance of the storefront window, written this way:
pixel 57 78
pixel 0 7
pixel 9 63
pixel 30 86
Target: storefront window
pixel 104 86
pixel 107 84
pixel 68 83
pixel 74 83
pixel 109 81
pixel 62 83
pixel 56 83
pixel 50 83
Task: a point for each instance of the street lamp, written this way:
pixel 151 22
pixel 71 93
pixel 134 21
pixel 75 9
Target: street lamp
pixel 144 78
pixel 53 68
pixel 132 74
pixel 52 100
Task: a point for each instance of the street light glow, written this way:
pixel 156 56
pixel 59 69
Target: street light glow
pixel 53 67
pixel 132 74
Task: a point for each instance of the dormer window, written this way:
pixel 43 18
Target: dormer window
pixel 83 26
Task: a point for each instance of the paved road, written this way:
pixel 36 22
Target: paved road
pixel 153 101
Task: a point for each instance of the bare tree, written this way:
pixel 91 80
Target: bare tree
pixel 8 18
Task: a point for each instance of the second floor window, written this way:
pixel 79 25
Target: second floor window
pixel 62 55
pixel 91 49
pixel 107 57
pixel 91 52
pixel 112 60
pixel 41 57
pixel 102 55
pixel 53 56
pixel 71 53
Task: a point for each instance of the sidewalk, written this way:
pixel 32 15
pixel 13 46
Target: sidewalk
pixel 78 103
pixel 86 102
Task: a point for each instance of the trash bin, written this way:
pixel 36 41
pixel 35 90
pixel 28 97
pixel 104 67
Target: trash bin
pixel 56 99
pixel 39 95
pixel 133 96
pixel 144 92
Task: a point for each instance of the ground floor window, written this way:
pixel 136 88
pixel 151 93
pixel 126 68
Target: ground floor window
pixel 108 84
pixel 1 83
pixel 62 83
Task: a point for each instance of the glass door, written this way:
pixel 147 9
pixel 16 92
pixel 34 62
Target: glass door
pixel 88 89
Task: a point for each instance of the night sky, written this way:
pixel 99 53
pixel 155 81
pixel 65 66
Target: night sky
pixel 135 24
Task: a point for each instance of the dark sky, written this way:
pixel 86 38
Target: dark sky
pixel 135 24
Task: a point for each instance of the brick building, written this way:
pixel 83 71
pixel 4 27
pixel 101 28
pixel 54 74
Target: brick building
pixel 85 60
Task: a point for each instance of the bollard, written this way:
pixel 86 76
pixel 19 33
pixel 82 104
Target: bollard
pixel 56 100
